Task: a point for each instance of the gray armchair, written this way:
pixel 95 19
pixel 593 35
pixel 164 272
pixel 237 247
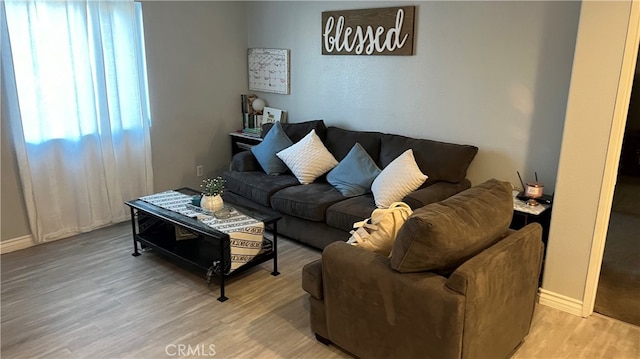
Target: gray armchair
pixel 459 284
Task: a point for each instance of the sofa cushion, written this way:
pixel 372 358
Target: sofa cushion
pixel 308 202
pixel 439 160
pixel 355 173
pixel 441 236
pixel 344 214
pixel 256 185
pixel 245 161
pixel 308 159
pixel 401 177
pixel 265 152
pixel 296 131
pixel 340 141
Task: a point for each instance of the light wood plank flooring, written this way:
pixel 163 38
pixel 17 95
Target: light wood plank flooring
pixel 87 297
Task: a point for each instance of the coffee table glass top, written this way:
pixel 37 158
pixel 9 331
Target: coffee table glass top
pixel 267 217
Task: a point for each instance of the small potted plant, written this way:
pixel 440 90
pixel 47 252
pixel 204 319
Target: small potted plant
pixel 212 188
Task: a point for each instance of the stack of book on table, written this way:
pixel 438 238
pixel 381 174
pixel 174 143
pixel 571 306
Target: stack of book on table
pixel 251 119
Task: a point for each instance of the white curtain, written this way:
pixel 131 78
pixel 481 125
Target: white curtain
pixel 74 74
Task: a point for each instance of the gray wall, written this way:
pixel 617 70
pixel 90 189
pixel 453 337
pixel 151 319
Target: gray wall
pixel 492 74
pixel 196 57
pixel 13 220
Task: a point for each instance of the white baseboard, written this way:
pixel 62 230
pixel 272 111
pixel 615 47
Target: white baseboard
pixel 560 302
pixel 16 244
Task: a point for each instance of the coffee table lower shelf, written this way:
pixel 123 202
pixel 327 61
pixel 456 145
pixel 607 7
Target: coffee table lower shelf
pixel 199 256
pixel 155 228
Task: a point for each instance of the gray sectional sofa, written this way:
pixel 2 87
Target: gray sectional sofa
pixel 317 214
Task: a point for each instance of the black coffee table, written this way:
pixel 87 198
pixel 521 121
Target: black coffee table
pixel 155 227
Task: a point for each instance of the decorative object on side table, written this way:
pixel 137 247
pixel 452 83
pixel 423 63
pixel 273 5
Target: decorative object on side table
pixel 252 108
pixel 211 191
pixel 533 192
pixel 258 107
pixel 272 115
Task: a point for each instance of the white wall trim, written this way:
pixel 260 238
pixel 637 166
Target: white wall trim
pixel 560 302
pixel 16 244
pixel 610 175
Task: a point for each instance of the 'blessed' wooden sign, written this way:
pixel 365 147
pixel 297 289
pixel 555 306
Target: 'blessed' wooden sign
pixel 384 31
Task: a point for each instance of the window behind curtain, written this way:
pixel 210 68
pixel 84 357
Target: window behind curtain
pixel 77 100
pixel 58 71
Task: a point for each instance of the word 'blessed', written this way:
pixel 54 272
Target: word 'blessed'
pixel 387 31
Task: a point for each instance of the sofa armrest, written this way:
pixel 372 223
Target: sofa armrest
pixel 312 279
pixel 245 161
pixel 374 311
pixel 435 193
pixel 502 281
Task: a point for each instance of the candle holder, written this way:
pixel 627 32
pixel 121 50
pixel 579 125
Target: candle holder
pixel 534 190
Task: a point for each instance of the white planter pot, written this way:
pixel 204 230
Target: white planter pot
pixel 212 203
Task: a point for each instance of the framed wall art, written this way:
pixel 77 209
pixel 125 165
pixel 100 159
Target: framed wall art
pixel 380 31
pixel 269 70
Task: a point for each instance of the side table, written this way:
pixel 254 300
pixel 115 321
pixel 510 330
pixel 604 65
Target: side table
pixel 524 214
pixel 242 142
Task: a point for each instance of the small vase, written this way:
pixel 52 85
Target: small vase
pixel 212 203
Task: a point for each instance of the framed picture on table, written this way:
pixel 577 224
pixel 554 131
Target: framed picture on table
pixel 271 115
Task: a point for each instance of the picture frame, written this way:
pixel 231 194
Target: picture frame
pixel 272 115
pixel 269 70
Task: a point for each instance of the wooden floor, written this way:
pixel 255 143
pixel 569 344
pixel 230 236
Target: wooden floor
pixel 87 297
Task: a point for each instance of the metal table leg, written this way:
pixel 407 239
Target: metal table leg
pixel 133 231
pixel 275 249
pixel 223 269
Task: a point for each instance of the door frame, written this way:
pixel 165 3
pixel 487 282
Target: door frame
pixel 614 149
